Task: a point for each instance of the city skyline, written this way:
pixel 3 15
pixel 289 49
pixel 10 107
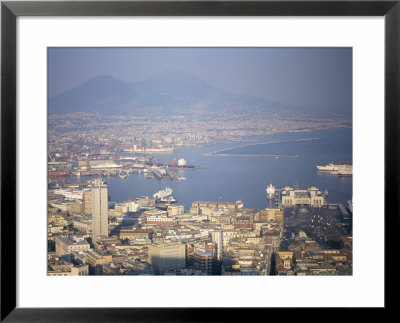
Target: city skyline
pixel 200 161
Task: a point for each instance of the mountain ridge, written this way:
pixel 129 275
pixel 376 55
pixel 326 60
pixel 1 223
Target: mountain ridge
pixel 168 92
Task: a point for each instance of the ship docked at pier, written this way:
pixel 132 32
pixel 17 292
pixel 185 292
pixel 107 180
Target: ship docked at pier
pixel 337 169
pixel 150 150
pixel 343 172
pixel 165 195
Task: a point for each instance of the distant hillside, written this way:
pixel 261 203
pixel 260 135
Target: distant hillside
pixel 170 92
pixel 100 93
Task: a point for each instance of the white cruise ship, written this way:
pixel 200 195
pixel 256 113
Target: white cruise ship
pixel 343 172
pixel 329 167
pixel 163 193
pixel 335 167
pixel 106 165
pixel 181 162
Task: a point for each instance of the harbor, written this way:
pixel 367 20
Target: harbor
pixel 121 167
pixel 227 178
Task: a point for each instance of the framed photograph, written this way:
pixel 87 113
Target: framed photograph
pixel 182 155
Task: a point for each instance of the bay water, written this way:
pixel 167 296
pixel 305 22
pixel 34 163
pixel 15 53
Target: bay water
pixel 238 175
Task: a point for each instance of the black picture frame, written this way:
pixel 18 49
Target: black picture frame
pixel 10 10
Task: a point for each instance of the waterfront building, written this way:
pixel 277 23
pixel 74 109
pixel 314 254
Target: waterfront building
pixel 174 210
pixel 292 197
pixel 99 209
pixel 146 202
pixel 167 256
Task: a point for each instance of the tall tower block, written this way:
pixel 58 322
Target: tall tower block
pixel 99 209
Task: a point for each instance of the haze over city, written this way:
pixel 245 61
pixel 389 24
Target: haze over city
pixel 314 79
pixel 200 161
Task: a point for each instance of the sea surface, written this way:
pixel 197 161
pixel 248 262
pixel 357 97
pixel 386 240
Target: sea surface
pixel 245 178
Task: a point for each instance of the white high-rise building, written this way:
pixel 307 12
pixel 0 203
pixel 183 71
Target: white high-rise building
pixel 99 209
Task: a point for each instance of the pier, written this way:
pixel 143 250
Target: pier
pixel 222 152
pixel 250 155
pixel 185 167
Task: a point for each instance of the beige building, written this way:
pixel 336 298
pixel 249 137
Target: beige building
pixel 313 197
pixel 76 207
pixel 154 212
pixel 99 209
pixel 65 245
pixel 197 206
pixel 98 257
pixel 131 234
pixel 201 259
pixel 60 268
pixel 174 210
pixel 160 220
pixel 146 202
pixel 227 235
pixel 87 202
pixel 83 224
pixel 270 214
pixel 167 256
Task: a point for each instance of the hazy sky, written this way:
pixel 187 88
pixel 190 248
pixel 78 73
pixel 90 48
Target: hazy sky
pixel 318 78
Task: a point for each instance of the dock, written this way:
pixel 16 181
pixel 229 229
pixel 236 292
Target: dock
pixel 222 152
pixel 263 143
pixel 157 174
pixel 251 155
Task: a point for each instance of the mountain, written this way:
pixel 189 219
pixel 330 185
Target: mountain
pixel 171 92
pixel 100 93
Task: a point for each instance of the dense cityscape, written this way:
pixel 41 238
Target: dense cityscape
pixel 298 233
pixel 199 161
